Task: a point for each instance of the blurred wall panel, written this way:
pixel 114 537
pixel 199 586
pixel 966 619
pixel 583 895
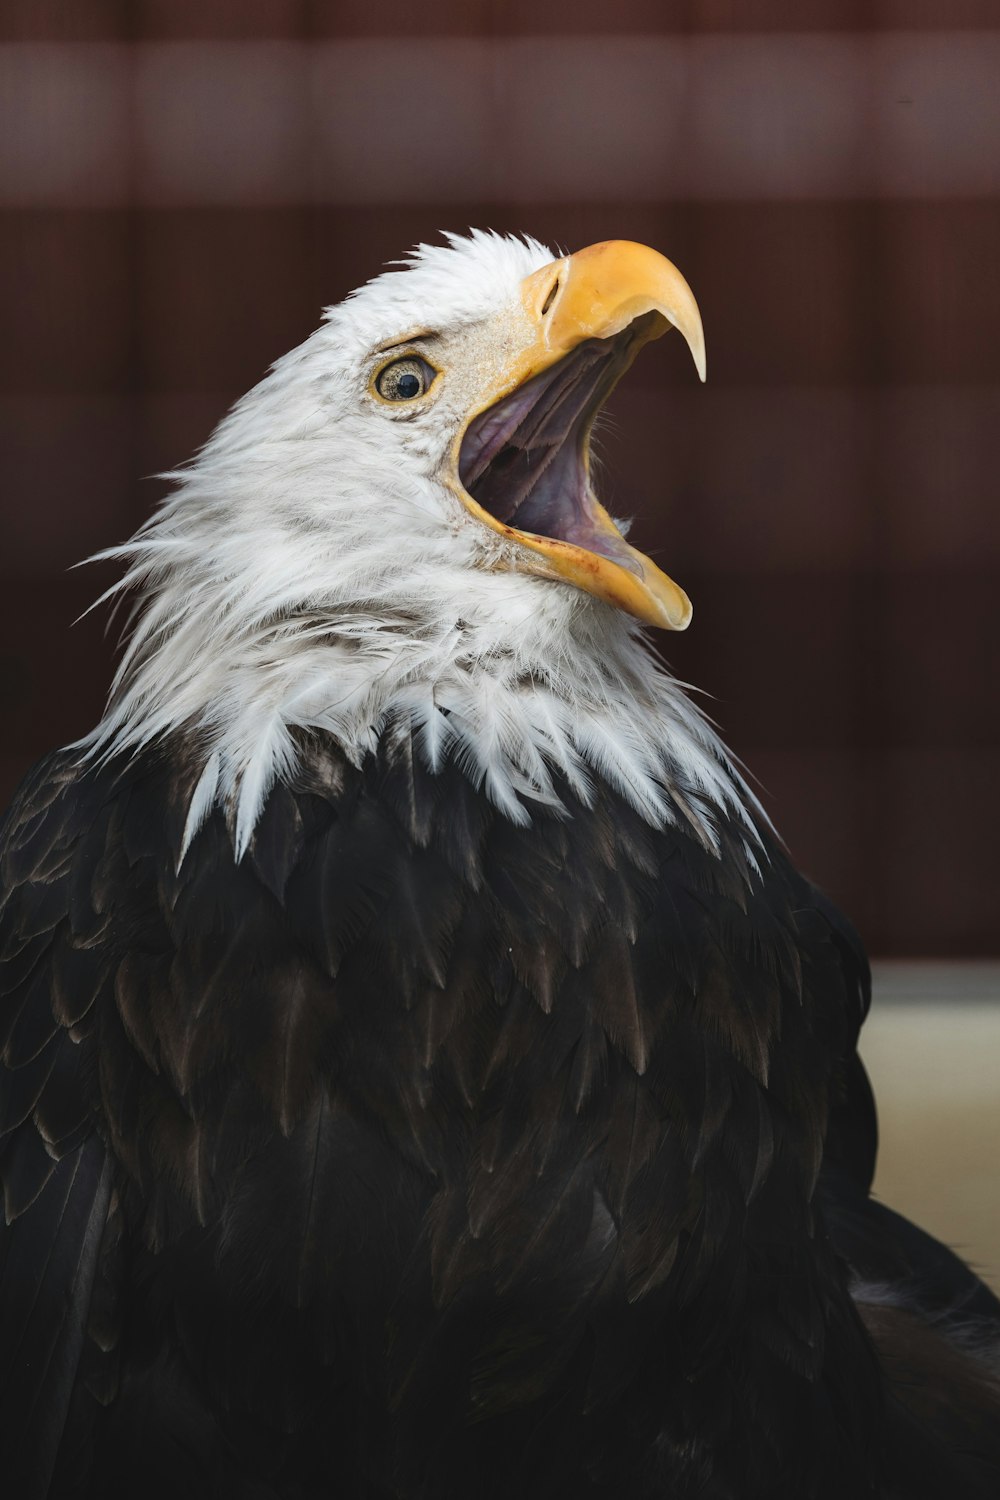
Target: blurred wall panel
pixel 184 185
pixel 931 1047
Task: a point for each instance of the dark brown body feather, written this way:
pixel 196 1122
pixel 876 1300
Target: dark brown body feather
pixel 421 1155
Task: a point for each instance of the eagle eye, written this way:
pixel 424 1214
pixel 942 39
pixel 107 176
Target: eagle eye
pixel 404 379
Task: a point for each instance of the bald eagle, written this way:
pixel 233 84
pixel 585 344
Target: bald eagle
pixel 424 1075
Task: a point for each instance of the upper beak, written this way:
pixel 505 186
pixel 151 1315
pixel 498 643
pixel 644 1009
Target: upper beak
pixel 599 291
pixel 595 294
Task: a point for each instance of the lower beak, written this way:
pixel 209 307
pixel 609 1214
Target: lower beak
pixel 613 290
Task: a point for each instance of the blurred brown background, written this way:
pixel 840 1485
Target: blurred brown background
pixel 185 183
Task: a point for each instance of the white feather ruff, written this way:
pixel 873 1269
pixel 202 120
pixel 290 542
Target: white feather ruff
pixel 312 571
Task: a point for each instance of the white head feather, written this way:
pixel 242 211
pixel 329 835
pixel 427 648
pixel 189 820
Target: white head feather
pixel 311 570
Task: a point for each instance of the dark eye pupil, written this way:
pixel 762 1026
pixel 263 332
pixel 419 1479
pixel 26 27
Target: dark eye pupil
pixel 404 379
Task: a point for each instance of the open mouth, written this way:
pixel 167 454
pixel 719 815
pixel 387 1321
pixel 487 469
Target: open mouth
pixel 526 461
pixel 522 465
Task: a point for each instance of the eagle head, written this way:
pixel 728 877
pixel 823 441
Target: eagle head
pixel 399 525
pixel 492 404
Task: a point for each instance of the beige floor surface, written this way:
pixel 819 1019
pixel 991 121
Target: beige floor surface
pixel 934 1062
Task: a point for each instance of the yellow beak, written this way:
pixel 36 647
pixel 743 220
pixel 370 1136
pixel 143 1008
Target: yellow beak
pixel 598 293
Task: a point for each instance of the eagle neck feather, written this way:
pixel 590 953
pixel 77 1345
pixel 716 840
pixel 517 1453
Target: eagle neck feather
pixel 516 723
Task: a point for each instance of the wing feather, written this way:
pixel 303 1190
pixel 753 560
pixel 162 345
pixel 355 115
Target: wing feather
pixel 55 1171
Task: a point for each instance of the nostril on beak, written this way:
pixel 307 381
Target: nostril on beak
pixel 551 296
